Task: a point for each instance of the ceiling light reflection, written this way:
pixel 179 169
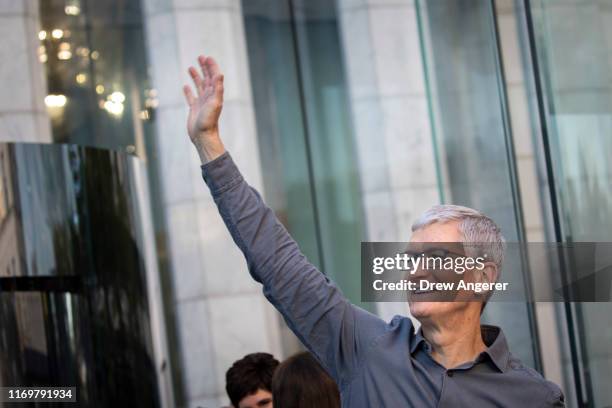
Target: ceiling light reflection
pixel 114 108
pixel 117 97
pixel 64 55
pixel 72 10
pixel 55 101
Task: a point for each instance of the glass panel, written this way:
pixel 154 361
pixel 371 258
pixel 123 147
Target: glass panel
pixel 10 228
pixel 573 42
pixel 58 339
pixel 330 139
pixel 305 140
pixel 280 121
pixel 468 112
pixel 94 57
pixel 73 301
pixel 48 192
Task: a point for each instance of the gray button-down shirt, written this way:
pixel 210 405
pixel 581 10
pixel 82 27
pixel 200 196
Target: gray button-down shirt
pixel 375 363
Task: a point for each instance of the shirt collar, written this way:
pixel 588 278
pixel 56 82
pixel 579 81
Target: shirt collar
pixel 492 336
pixel 497 346
pixel 417 339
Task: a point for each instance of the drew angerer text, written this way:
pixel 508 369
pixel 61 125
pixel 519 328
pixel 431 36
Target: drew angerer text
pixel 425 285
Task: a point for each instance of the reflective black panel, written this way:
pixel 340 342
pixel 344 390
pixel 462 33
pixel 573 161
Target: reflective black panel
pixel 73 301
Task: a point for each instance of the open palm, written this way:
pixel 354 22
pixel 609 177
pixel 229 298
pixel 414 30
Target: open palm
pixel 206 103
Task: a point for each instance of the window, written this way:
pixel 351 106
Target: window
pixel 571 41
pixel 311 178
pixel 94 57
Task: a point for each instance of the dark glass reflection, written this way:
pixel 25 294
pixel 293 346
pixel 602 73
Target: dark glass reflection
pixel 96 71
pixel 69 230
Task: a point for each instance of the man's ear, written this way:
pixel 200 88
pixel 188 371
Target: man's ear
pixel 488 274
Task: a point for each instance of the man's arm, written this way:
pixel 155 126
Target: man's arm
pixel 337 332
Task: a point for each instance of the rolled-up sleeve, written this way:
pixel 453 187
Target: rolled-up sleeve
pixel 335 331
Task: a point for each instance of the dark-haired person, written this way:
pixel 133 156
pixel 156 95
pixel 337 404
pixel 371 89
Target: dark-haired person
pixel 301 382
pixel 248 381
pixel 451 361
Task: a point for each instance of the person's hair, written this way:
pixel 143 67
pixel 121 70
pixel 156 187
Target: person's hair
pixel 475 227
pixel 249 374
pixel 301 382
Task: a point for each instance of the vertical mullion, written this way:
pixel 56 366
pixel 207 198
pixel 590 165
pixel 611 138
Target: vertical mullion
pixel 307 138
pixel 514 185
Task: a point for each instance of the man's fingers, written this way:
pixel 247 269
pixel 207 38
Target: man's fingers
pixel 219 87
pixel 207 77
pixel 208 69
pixel 211 77
pixel 197 80
pixel 213 67
pixel 189 96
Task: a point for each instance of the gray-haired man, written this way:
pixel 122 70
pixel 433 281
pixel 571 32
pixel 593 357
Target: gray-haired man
pixel 452 361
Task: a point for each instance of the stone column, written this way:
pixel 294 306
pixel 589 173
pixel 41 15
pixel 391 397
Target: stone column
pixel 23 117
pixel 220 313
pixel 391 119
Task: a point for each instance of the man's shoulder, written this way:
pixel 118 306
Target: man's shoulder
pixel 399 328
pixel 533 380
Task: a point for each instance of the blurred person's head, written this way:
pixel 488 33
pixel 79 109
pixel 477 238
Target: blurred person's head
pixel 248 381
pixel 301 382
pixel 453 224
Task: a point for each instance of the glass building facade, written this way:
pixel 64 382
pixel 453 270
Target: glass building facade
pixel 94 55
pixel 352 117
pixel 306 145
pixel 575 114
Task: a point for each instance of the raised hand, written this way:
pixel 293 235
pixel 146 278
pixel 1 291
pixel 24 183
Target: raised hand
pixel 205 108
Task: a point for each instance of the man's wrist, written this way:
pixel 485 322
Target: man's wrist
pixel 209 146
pixel 221 174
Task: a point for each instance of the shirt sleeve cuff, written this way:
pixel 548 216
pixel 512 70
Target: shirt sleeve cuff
pixel 221 174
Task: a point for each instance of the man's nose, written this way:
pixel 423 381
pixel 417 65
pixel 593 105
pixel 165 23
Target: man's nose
pixel 419 273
